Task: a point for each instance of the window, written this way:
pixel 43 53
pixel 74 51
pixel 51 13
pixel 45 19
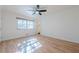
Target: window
pixel 22 24
pixel 30 24
pixel 25 24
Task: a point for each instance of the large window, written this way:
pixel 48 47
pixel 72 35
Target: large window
pixel 25 24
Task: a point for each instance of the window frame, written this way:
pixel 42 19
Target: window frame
pixel 26 24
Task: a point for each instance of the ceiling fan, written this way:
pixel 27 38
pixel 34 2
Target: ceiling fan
pixel 38 10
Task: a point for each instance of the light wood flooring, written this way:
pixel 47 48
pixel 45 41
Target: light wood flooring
pixel 38 44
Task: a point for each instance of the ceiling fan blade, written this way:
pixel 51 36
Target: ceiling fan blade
pixel 34 12
pixel 40 13
pixel 42 10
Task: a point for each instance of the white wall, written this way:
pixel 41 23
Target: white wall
pixel 9 30
pixel 63 25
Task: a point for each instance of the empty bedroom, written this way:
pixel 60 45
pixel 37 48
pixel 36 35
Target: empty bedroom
pixel 39 28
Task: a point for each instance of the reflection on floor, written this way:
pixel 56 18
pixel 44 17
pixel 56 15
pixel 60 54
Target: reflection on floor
pixel 38 44
pixel 29 46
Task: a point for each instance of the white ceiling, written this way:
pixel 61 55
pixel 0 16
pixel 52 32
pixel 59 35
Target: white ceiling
pixel 23 9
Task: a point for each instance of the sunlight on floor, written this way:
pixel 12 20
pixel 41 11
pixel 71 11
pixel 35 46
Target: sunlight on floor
pixel 28 46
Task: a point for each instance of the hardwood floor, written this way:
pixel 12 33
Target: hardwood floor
pixel 38 44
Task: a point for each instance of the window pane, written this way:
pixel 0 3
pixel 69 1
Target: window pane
pixel 24 24
pixel 30 25
pixel 21 24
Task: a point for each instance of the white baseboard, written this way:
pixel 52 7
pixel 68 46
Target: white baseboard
pixel 14 37
pixel 62 38
pixel 66 39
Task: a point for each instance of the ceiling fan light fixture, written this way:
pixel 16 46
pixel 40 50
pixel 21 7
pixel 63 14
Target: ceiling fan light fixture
pixel 38 11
